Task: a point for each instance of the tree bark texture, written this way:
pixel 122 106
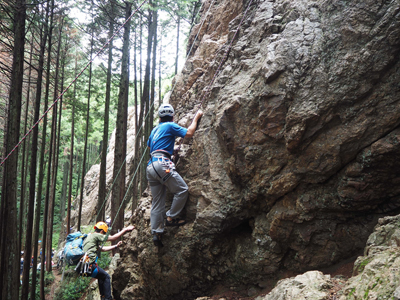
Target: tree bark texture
pixel 103 165
pixel 10 256
pixel 118 192
pixel 32 178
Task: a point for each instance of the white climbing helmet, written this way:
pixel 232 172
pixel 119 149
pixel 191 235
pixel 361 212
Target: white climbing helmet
pixel 166 110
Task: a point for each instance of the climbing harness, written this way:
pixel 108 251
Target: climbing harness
pixel 84 268
pixel 164 159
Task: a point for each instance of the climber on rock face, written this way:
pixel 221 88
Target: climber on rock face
pixel 92 245
pixel 161 172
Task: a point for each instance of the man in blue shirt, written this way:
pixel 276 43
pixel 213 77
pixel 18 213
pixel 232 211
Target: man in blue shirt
pixel 161 172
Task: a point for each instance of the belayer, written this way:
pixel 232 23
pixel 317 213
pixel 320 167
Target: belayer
pixel 161 172
pixel 92 245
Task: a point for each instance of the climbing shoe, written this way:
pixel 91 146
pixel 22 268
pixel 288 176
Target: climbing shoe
pixel 157 240
pixel 175 222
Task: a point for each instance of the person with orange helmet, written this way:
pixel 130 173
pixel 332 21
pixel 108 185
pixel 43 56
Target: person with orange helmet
pixel 93 245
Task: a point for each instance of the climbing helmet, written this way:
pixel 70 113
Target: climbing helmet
pixel 166 110
pixel 101 226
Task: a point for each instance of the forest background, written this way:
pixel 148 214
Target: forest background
pixel 69 70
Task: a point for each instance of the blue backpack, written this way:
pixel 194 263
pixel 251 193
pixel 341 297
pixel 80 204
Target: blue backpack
pixel 74 248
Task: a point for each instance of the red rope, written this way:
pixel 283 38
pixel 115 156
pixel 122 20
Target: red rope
pixel 66 89
pixel 220 65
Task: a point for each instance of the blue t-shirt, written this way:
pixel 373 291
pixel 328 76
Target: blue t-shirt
pixel 163 136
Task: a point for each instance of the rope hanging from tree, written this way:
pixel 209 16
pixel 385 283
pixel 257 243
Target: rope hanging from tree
pixel 72 82
pixel 205 94
pixel 186 59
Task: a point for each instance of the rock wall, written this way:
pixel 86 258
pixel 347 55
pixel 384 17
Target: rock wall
pixel 296 156
pixel 375 274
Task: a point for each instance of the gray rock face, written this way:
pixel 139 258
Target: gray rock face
pixel 312 285
pixel 376 274
pixel 296 156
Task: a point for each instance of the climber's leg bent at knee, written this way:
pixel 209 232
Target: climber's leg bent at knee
pixel 104 283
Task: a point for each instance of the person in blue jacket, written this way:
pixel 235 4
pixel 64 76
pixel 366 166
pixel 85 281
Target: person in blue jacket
pixel 161 172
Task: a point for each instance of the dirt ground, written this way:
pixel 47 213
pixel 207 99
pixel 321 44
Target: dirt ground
pixel 54 285
pixel 343 270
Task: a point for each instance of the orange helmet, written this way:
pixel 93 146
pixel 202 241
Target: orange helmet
pixel 101 226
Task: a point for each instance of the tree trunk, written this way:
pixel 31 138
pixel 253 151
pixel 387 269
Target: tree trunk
pixel 136 160
pixel 9 267
pixel 46 202
pixel 119 172
pixel 66 163
pixel 103 165
pixel 140 56
pixel 159 75
pixel 64 191
pixel 153 71
pixel 32 178
pixel 54 154
pixel 24 162
pixel 71 152
pixel 86 138
pixel 146 98
pixel 178 27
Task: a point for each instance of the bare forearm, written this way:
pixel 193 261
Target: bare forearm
pixel 108 248
pixel 193 126
pixel 121 233
pixel 116 236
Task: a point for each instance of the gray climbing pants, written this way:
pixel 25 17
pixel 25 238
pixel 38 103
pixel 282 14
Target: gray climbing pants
pixel 162 176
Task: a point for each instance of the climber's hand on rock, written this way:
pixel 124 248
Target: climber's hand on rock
pixel 198 115
pixel 129 228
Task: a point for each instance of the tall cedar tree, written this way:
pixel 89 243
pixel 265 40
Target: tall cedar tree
pixel 86 134
pixel 24 162
pixel 71 152
pixel 119 171
pixel 47 194
pixel 9 267
pixel 32 179
pixel 103 164
pixel 137 139
pixel 54 155
pixel 66 162
pixel 146 94
pixel 153 67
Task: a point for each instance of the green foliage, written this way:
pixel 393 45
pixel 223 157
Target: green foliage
pixel 105 260
pixel 48 280
pixel 72 288
pixel 352 292
pixel 56 235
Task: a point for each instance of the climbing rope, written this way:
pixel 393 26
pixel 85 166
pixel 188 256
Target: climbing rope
pixel 207 91
pixel 195 39
pixel 72 82
pixel 219 67
pixel 187 56
pixel 125 197
pixel 112 185
pixel 145 150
